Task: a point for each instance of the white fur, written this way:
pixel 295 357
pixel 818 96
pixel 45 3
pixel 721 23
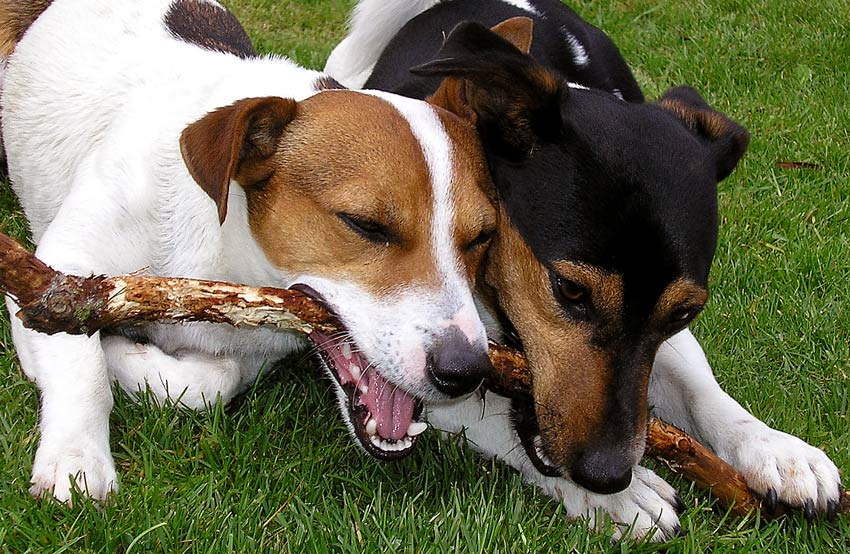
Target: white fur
pixel 580 56
pixel 94 100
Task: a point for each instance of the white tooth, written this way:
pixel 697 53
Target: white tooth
pixel 355 372
pixel 346 350
pixel 416 428
pixel 371 426
pixel 364 388
pixel 375 440
pixel 407 442
pixel 538 442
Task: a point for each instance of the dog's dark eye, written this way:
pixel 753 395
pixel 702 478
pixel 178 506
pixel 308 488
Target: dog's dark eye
pixel 681 317
pixel 482 239
pixel 573 297
pixel 372 231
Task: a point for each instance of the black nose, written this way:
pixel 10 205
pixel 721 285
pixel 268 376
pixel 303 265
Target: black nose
pixel 602 472
pixel 455 366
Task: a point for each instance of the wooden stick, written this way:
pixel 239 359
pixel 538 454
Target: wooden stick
pixel 53 302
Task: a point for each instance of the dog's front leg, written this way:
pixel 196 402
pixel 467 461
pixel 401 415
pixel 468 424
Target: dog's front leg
pixel 647 506
pixel 71 371
pixel 684 392
pixel 76 400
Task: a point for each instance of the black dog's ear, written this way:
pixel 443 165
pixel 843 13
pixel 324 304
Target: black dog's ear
pixel 726 139
pixel 513 100
pixel 234 143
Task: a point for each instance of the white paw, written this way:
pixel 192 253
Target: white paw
pixel 647 508
pixel 779 466
pixel 58 469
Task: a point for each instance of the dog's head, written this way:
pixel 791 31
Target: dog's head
pixel 608 226
pixel 378 206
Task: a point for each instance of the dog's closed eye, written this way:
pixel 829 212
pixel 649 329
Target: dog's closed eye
pixel 372 231
pixel 483 238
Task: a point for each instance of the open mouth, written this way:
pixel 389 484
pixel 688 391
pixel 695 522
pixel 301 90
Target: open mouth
pixel 383 417
pixel 525 422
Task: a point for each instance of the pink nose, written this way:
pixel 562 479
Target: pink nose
pixel 466 319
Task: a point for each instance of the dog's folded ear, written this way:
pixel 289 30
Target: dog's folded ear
pixel 233 143
pixel 727 141
pixel 513 100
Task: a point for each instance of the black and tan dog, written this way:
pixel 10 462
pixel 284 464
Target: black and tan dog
pixel 608 229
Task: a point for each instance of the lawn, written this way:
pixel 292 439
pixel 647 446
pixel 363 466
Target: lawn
pixel 277 472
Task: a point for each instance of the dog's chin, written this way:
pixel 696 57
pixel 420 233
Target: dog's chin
pixel 524 419
pixel 383 418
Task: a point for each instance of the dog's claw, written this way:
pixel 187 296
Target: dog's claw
pixel 678 504
pixel 678 531
pixel 770 501
pixel 809 510
pixel 832 509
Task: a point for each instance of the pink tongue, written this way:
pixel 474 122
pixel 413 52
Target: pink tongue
pixel 390 406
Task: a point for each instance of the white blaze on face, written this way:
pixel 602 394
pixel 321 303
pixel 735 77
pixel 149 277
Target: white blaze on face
pixel 437 148
pixel 396 331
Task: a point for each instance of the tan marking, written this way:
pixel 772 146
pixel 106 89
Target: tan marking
pixel 570 375
pixel 606 289
pixel 714 125
pixel 517 31
pixel 16 16
pixel 681 293
pixel 452 95
pixel 353 153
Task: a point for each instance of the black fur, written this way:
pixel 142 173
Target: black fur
pixel 419 41
pixel 208 26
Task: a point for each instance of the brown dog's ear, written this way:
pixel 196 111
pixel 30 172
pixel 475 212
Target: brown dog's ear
pixel 514 101
pixel 516 30
pixel 231 142
pixel 726 140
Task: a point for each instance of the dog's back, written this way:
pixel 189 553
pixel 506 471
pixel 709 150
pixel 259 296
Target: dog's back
pixel 110 72
pixel 562 41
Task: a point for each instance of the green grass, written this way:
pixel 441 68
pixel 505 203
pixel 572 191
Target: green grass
pixel 277 472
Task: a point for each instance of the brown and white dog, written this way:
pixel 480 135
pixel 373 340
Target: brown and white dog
pixel 607 229
pixel 148 136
